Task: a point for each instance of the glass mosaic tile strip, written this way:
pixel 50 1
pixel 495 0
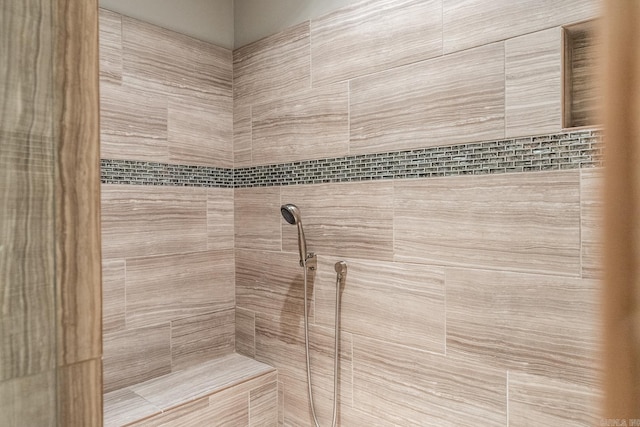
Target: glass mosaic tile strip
pixel 151 173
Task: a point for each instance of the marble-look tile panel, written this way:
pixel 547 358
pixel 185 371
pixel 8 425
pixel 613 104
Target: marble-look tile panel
pixel 263 405
pixel 160 55
pixel 591 221
pixel 242 136
pixel 539 324
pixel 136 355
pixel 353 220
pixel 110 45
pixel 145 220
pixel 523 222
pixel 395 302
pixel 197 339
pixel 277 64
pixel 311 124
pixel 245 332
pixel 372 36
pixel 533 92
pixel 257 218
pixel 413 388
pixel 29 401
pixel 123 406
pixel 542 401
pixel 425 104
pixel 133 122
pixel 169 287
pixel 113 295
pixel 469 23
pixel 219 217
pixel 200 129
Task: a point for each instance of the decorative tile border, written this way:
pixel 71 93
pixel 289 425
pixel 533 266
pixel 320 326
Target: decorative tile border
pixel 569 150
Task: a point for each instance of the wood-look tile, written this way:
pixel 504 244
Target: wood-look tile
pixel 200 129
pixel 157 54
pixel 110 45
pixel 309 125
pixel 133 122
pixel 165 288
pixel 469 23
pixel 277 64
pixel 113 295
pixel 538 324
pixel 410 387
pixel 394 302
pixel 192 413
pixel 123 406
pixel 533 92
pixel 197 339
pixel 220 218
pixel 591 181
pixel 257 218
pixel 353 220
pixel 147 220
pixel 29 401
pixel 538 401
pixel 280 403
pixel 242 136
pixel 263 406
pixel 80 394
pixel 245 332
pixel 372 36
pixel 425 104
pixel 136 355
pixel 201 380
pixel 523 222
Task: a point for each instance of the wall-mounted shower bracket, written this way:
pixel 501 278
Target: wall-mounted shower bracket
pixel 311 262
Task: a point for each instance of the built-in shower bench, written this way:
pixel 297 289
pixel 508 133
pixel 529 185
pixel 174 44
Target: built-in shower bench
pixel 223 391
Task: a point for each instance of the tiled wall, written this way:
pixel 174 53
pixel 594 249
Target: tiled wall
pixel 472 292
pixel 168 261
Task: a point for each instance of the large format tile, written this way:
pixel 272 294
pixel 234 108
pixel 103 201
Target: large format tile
pixel 522 222
pixel 309 125
pixel 29 401
pixel 426 104
pixel 110 45
pixel 539 324
pixel 113 295
pixel 123 406
pixel 165 288
pixel 257 218
pixel 393 302
pixel 469 23
pixel 352 220
pixel 373 36
pixel 263 405
pixel 220 217
pixel 277 64
pixel 591 182
pixel 245 332
pixel 533 93
pixel 413 388
pixel 146 220
pixel 241 136
pixel 541 401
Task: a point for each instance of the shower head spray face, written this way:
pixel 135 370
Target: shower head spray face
pixel 291 214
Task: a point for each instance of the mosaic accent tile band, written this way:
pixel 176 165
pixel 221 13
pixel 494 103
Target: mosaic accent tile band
pixel 568 150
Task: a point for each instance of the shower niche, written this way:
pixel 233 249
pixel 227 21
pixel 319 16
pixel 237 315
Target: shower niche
pixel 581 91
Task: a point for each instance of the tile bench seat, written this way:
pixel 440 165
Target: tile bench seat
pixel 229 390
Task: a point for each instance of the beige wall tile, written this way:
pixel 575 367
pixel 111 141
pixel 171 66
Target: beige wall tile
pixel 79 394
pixel 373 36
pixel 533 93
pixel 309 125
pixel 151 220
pixel 410 387
pixel 277 64
pixel 393 302
pixel 425 104
pixel 220 218
pixel 263 405
pixel 523 222
pixel 135 355
pixel 29 401
pixel 197 339
pixel 113 295
pixel 469 23
pixel 345 219
pixel 591 182
pixel 193 412
pixel 241 136
pixel 165 288
pixel 257 218
pixel 538 324
pixel 245 332
pixel 110 25
pixel 123 406
pixel 535 400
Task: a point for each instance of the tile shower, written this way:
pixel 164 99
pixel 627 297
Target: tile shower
pixel 424 145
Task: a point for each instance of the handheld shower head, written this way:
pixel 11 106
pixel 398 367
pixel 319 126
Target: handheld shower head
pixel 291 214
